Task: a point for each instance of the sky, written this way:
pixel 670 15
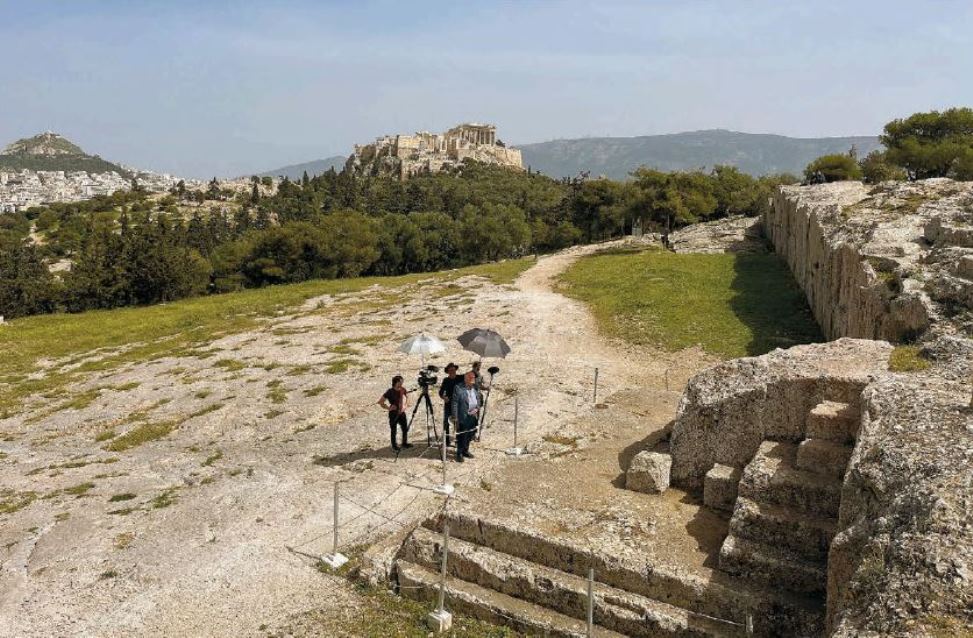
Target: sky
pixel 208 88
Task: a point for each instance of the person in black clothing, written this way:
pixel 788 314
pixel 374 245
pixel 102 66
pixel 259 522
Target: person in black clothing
pixel 446 394
pixel 395 400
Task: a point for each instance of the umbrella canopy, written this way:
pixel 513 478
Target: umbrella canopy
pixel 485 343
pixel 422 344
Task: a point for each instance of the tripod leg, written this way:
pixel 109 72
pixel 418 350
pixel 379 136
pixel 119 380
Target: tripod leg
pixel 430 419
pixel 413 417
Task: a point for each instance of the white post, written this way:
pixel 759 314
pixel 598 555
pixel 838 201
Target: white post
pixel 749 626
pixel 515 450
pixel 591 601
pixel 441 620
pixel 595 398
pixel 335 559
pixel 334 545
pixel 445 488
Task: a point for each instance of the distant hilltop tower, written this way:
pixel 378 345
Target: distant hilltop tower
pixel 404 156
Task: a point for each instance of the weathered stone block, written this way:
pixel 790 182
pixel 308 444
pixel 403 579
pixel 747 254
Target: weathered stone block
pixel 964 267
pixel 720 487
pixel 832 421
pixel 649 472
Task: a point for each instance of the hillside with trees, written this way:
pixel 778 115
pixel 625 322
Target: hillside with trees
pixel 51 152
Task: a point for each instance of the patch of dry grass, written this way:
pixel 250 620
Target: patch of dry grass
pixel 140 435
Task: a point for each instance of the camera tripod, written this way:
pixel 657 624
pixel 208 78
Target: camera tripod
pixel 431 430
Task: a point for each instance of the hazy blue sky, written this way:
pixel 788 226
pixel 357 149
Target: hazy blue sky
pixel 202 88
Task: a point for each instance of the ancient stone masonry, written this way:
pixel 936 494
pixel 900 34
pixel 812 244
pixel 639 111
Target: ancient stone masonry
pixel 403 156
pixel 885 262
pixel 844 478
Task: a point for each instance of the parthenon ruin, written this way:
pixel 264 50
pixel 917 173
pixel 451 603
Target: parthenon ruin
pixel 403 156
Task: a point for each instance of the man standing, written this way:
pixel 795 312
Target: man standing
pixel 466 410
pixel 395 400
pixel 446 394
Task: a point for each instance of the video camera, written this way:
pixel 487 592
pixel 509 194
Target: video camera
pixel 427 377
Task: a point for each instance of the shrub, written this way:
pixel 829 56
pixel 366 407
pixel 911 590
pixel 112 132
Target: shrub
pixel 834 168
pixel 876 168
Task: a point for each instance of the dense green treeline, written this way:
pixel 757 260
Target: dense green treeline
pixel 133 249
pixel 923 145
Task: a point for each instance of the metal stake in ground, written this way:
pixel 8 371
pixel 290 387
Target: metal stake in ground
pixel 441 620
pixel 335 559
pixel 515 450
pixel 595 395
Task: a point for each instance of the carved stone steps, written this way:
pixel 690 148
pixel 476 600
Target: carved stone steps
pixel 615 609
pixel 834 421
pixel 720 596
pixel 772 477
pixel 808 536
pixel 772 565
pixel 418 583
pixel 822 456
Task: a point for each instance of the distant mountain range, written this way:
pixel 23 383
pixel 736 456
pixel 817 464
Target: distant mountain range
pixel 316 167
pixel 753 153
pixel 51 152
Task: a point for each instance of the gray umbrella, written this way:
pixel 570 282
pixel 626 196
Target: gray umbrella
pixel 486 343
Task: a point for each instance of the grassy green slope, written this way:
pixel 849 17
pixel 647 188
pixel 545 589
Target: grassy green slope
pixel 732 305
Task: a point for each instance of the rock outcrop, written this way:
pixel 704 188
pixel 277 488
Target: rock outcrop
pixel 729 235
pixel 729 409
pixel 902 561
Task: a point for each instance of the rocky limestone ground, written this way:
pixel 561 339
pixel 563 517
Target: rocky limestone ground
pixel 214 527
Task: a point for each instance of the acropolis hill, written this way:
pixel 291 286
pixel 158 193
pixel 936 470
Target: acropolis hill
pixel 403 156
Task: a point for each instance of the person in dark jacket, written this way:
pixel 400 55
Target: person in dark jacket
pixel 395 401
pixel 446 394
pixel 466 410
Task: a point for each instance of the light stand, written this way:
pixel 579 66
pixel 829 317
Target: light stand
pixel 494 371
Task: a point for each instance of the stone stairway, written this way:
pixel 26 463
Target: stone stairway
pixel 786 503
pixel 538 585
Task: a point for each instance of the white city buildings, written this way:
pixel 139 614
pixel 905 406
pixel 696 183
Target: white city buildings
pixel 22 189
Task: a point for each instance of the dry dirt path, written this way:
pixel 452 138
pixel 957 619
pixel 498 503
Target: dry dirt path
pixel 210 530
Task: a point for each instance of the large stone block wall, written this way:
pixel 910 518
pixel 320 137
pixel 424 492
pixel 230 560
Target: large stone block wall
pixel 848 297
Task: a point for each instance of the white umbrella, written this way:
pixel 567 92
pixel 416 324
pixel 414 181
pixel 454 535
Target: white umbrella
pixel 422 344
